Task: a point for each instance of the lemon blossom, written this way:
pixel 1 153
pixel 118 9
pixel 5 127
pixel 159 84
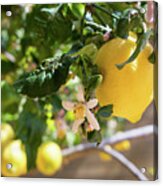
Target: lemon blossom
pixel 82 110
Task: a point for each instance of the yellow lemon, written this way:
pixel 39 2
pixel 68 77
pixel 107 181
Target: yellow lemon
pixel 104 156
pixel 7 134
pixel 14 159
pixel 122 146
pixel 130 89
pixel 49 158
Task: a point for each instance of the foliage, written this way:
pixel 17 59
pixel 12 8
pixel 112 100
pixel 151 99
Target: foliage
pixel 44 80
pixel 141 43
pixel 47 51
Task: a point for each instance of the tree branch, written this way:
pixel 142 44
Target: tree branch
pixel 130 134
pixel 123 160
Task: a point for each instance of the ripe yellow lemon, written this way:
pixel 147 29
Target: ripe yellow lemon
pixel 7 134
pixel 123 145
pixel 104 156
pixel 49 158
pixel 130 89
pixel 14 159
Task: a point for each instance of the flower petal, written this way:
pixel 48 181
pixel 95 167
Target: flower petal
pixel 92 103
pixel 80 94
pixel 92 120
pixel 68 105
pixel 76 124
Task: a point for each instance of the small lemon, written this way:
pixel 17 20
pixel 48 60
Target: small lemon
pixel 130 89
pixel 123 145
pixel 14 159
pixel 104 156
pixel 7 134
pixel 49 158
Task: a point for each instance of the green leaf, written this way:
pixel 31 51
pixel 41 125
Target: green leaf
pixel 94 136
pixel 7 66
pixel 10 99
pixel 45 80
pixel 46 28
pixel 123 28
pixel 94 81
pixel 89 74
pixel 136 24
pixel 152 58
pixel 105 111
pixel 141 43
pixel 30 129
pixel 89 50
pixel 77 9
pixel 120 6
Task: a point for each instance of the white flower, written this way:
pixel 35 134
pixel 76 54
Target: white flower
pixel 82 110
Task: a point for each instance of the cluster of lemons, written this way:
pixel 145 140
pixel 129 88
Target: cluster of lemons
pixel 14 158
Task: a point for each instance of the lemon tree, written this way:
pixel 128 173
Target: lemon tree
pixel 97 58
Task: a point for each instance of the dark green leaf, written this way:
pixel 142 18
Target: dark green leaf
pixel 7 67
pixel 120 6
pixel 141 43
pixel 94 81
pixel 44 81
pixel 89 74
pixel 103 15
pixel 45 28
pixel 94 136
pixel 136 24
pixel 105 111
pixel 152 58
pixel 10 99
pixel 123 28
pixel 30 129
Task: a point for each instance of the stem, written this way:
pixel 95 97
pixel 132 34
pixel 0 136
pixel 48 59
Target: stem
pixel 106 11
pixel 99 18
pixel 82 24
pixel 98 27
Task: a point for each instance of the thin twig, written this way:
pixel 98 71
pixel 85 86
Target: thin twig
pixel 78 148
pixel 106 11
pixel 98 27
pixel 130 134
pixel 82 24
pixel 127 163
